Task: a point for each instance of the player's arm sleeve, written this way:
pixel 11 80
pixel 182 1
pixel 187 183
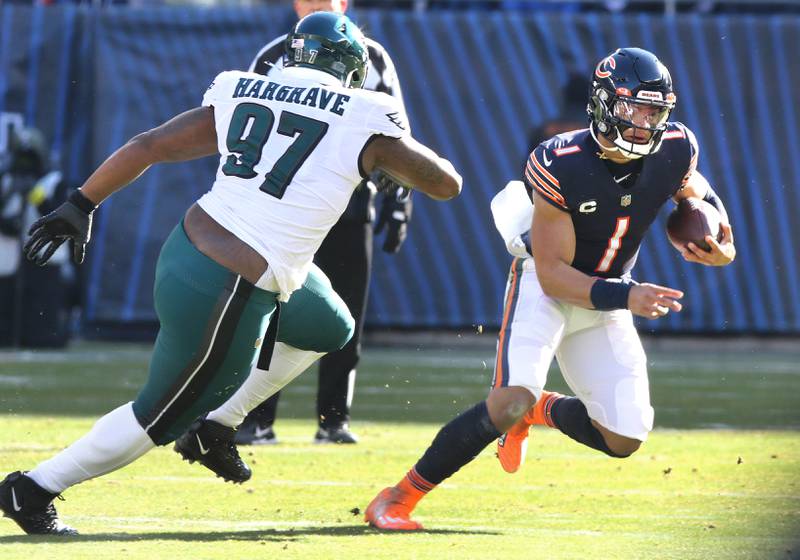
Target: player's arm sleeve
pixel 218 88
pixel 268 57
pixel 387 117
pixel 541 178
pixel 714 200
pixel 694 153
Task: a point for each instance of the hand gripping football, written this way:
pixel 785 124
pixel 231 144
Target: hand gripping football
pixel 692 220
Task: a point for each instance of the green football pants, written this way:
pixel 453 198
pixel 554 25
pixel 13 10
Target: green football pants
pixel 212 324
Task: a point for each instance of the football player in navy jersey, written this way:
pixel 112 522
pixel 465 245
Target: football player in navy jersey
pixel 595 192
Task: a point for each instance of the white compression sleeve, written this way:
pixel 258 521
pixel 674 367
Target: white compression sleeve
pixel 115 440
pixel 287 363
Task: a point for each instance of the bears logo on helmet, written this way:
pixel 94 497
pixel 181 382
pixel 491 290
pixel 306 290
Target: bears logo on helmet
pixel 601 71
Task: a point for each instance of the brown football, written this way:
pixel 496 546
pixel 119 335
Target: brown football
pixel 692 220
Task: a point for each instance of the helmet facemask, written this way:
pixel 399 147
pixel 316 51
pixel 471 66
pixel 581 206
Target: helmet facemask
pixel 634 125
pixel 630 100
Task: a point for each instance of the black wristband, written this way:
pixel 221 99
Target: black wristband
pixel 83 204
pixel 607 295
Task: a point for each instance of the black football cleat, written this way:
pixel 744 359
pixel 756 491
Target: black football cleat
pixel 252 432
pixel 339 433
pixel 213 446
pixel 31 507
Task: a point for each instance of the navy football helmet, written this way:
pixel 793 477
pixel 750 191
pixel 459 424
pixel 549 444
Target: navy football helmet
pixel 329 42
pixel 630 100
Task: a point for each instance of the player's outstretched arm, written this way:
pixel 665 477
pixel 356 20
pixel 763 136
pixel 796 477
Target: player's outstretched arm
pixel 188 136
pixel 412 165
pixel 553 245
pixel 722 252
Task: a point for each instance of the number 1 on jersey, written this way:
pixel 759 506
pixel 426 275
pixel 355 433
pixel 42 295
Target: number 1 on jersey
pixel 251 125
pixel 614 243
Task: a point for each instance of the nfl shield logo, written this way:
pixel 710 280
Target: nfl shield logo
pixel 625 200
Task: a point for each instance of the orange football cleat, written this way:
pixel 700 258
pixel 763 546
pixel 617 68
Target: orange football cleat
pixel 513 445
pixel 387 511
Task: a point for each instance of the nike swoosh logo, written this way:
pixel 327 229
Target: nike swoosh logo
pixel 547 162
pixel 261 433
pixel 203 450
pixel 14 503
pixel 622 178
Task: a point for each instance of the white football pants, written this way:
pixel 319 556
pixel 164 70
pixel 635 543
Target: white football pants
pixel 599 353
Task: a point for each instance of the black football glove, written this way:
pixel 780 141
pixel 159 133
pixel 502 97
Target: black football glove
pixel 395 213
pixel 384 183
pixel 71 221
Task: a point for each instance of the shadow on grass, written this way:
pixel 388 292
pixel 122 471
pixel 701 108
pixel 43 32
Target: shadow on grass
pixel 275 535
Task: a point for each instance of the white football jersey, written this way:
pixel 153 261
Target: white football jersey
pixel 290 146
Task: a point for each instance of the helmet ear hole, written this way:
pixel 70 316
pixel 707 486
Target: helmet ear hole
pixel 596 110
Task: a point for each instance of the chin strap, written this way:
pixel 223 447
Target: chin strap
pixel 629 153
pixel 617 148
pixel 604 150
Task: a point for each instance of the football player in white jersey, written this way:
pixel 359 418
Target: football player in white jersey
pixel 292 148
pixel 345 255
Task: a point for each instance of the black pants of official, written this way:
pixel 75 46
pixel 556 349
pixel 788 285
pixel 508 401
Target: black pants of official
pixel 35 306
pixel 345 256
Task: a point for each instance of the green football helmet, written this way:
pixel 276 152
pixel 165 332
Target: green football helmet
pixel 329 42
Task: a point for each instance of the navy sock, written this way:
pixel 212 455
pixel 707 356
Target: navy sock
pixel 457 443
pixel 570 416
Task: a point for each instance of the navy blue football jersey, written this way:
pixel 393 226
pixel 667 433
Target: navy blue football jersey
pixel 610 213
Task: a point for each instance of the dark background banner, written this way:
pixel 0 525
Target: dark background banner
pixel 475 84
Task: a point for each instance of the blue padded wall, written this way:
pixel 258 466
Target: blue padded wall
pixel 475 85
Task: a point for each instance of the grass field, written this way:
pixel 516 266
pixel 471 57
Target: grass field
pixel 689 493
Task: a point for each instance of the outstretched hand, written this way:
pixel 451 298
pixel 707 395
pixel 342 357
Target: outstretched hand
pixel 48 233
pixel 653 301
